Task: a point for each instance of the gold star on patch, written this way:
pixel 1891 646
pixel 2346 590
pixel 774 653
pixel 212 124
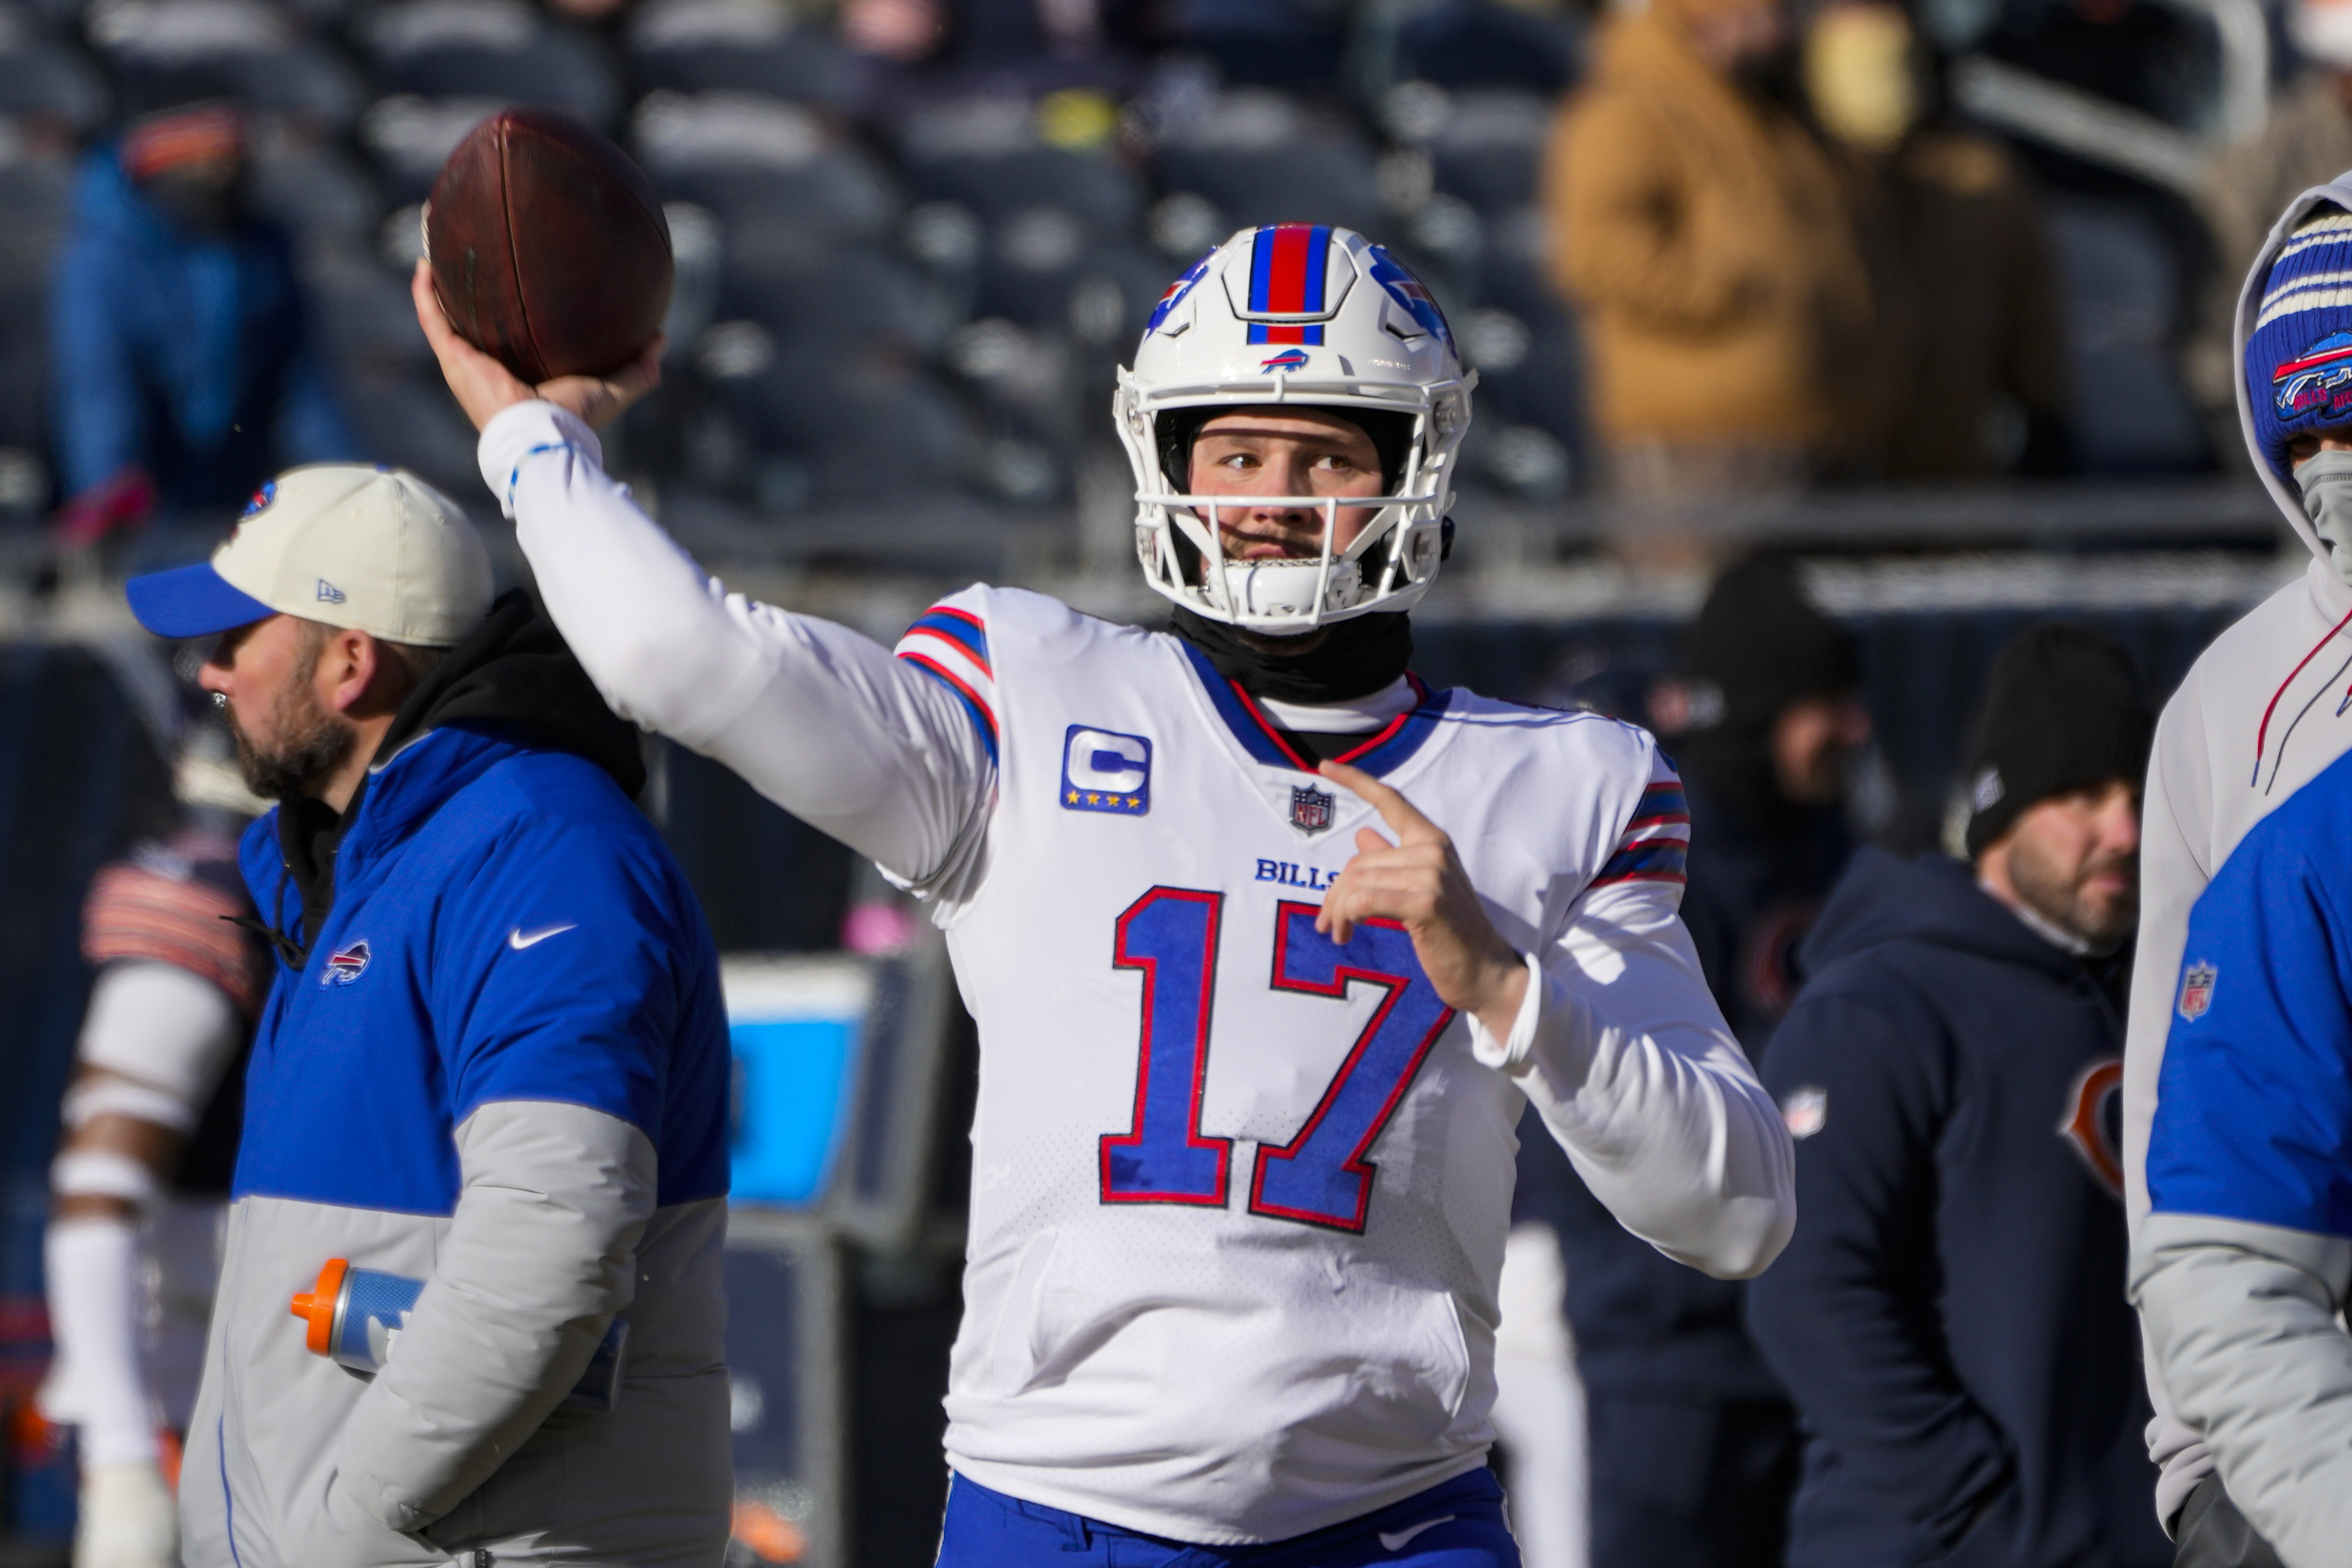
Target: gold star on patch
pixel 1094 799
pixel 1132 802
pixel 1074 796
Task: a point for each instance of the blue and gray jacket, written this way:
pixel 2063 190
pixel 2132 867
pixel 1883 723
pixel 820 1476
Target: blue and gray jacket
pixel 2243 1268
pixel 495 1060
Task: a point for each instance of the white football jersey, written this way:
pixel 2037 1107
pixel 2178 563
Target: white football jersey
pixel 1239 1193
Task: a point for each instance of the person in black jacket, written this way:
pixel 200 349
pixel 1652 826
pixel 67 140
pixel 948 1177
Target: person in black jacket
pixel 1694 1445
pixel 1950 1317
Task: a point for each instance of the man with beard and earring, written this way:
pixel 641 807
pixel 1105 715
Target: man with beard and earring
pixel 1693 1443
pixel 183 364
pixel 1705 234
pixel 487 1104
pixel 1951 1319
pixel 141 1174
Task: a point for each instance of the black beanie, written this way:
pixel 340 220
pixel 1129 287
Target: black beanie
pixel 2065 709
pixel 1759 644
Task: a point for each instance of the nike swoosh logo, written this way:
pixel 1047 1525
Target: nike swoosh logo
pixel 520 939
pixel 1403 1538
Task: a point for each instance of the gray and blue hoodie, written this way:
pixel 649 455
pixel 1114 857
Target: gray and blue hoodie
pixel 495 1060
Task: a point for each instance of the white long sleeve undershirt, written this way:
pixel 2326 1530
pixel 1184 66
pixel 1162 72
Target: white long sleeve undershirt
pixel 1619 1044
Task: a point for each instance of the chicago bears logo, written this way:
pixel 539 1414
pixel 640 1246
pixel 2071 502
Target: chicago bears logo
pixel 2094 1122
pixel 346 965
pixel 1310 809
pixel 2197 990
pixel 2317 380
pixel 1288 359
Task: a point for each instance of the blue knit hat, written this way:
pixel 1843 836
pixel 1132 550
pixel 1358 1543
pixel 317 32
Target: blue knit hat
pixel 2299 356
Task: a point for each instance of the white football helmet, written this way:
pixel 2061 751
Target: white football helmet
pixel 1312 315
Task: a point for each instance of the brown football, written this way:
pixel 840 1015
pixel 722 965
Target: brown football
pixel 548 247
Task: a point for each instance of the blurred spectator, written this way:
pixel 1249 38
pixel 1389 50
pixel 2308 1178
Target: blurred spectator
pixel 184 367
pixel 1694 1445
pixel 1948 1318
pixel 140 1187
pixel 1970 313
pixel 1704 231
pixel 2306 140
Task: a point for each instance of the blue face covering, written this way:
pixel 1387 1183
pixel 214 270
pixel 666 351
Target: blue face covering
pixel 2326 482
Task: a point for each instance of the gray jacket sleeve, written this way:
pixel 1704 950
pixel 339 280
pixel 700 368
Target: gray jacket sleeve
pixel 536 1261
pixel 2243 1320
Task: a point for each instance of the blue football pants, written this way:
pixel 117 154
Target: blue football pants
pixel 1454 1524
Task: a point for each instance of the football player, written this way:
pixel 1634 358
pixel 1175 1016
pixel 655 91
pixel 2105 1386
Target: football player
pixel 1250 1063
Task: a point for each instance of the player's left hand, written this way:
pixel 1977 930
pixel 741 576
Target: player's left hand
pixel 1419 883
pixel 485 388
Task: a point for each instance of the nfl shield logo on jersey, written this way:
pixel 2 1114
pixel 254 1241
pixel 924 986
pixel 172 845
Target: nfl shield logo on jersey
pixel 1310 809
pixel 2197 990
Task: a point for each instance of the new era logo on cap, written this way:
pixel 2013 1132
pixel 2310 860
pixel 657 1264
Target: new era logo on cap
pixel 345 543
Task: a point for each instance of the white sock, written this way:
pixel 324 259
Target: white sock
pixel 97 1304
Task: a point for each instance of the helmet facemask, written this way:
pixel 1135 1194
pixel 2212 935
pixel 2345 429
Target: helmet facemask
pixel 1372 334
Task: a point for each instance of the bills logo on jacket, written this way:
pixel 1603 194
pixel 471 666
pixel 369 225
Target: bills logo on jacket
pixel 346 965
pixel 2197 990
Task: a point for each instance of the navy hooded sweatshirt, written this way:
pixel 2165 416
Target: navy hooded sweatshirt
pixel 1950 1316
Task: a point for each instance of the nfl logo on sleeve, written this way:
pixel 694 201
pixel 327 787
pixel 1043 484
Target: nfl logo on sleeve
pixel 2197 990
pixel 1103 770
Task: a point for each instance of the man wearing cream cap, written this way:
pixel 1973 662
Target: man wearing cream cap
pixel 490 1078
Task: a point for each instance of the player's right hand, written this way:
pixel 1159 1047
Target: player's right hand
pixel 129 1518
pixel 485 388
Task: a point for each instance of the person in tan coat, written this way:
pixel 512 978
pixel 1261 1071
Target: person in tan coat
pixel 1705 234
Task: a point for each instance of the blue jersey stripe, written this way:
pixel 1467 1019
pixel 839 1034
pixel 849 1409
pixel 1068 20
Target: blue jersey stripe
pixel 1261 746
pixel 982 719
pixel 958 628
pixel 1390 751
pixel 1662 859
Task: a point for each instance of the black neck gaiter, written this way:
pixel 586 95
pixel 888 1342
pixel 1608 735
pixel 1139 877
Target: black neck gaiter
pixel 1352 659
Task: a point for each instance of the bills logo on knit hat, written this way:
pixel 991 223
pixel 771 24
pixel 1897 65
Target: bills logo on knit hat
pixel 2298 362
pixel 348 544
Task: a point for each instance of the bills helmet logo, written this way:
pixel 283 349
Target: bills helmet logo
pixel 346 965
pixel 262 500
pixel 1407 291
pixel 1310 809
pixel 1176 292
pixel 2094 1122
pixel 2317 381
pixel 2197 990
pixel 1288 359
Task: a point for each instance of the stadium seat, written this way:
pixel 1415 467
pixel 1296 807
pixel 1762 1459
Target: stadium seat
pixel 835 298
pixel 1260 157
pixel 1492 44
pixel 35 193
pixel 1488 150
pixel 490 48
pixel 163 52
pixel 985 154
pixel 862 426
pixel 738 46
pixel 2123 292
pixel 45 82
pixel 310 188
pixel 769 169
pixel 410 137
